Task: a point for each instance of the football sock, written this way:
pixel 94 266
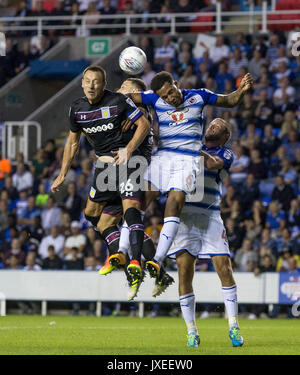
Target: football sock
pixel 231 305
pixel 92 219
pixel 111 236
pixel 148 250
pixel 167 235
pixel 124 243
pixel 188 308
pixel 136 232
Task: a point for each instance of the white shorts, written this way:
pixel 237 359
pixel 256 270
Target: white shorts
pixel 172 172
pixel 200 235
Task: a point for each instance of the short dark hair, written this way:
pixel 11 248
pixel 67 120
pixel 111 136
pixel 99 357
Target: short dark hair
pixel 139 84
pixel 160 79
pixel 95 68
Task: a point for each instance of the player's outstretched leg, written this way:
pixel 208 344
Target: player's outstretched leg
pixel 115 259
pixel 222 266
pixel 186 265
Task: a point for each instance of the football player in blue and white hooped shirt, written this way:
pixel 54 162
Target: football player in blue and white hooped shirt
pixel 173 168
pixel 202 234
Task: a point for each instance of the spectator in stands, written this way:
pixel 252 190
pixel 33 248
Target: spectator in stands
pixel 15 250
pixel 165 53
pixel 246 111
pixel 277 160
pixel 264 109
pixel 83 5
pixel 275 219
pixel 74 262
pixel 10 188
pixel 284 240
pixel 265 241
pixel 13 263
pixel 219 52
pixel 240 44
pixel 234 235
pixel 28 215
pixel 148 74
pixel 21 203
pixel 236 62
pixel 40 164
pixel 99 251
pixel 244 255
pixel 91 236
pixel 42 196
pixel 146 44
pixel 67 5
pixel 82 186
pixel 249 192
pixel 259 45
pixel 285 94
pixel 257 166
pixel 263 84
pixel 227 201
pixel 203 74
pixel 239 166
pixel 24 57
pixel 52 261
pixel 273 49
pixel 292 145
pixel 22 179
pixel 188 79
pixel 282 193
pixel 31 264
pixel 93 17
pixel 255 64
pixel 3 216
pixel 51 215
pixel 5 167
pixel 106 10
pixel 290 123
pixel 221 77
pixel 269 143
pixel 76 239
pixel 55 239
pixel 73 202
pixel 289 175
pixel 285 258
pixel 251 138
pixel 50 150
pixel 37 231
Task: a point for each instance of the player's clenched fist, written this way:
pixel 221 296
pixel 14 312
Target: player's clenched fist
pixel 247 82
pixel 57 184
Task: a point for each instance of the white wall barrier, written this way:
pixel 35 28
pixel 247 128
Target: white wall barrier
pixel 89 286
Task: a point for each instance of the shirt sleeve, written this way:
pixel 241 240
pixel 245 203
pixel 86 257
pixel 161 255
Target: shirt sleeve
pixel 227 156
pixel 131 110
pixel 74 126
pixel 149 97
pixel 208 96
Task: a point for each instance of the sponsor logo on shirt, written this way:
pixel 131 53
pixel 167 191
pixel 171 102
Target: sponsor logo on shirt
pixel 178 116
pixel 99 128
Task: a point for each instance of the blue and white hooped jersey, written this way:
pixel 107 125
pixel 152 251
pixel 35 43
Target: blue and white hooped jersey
pixel 180 128
pixel 213 179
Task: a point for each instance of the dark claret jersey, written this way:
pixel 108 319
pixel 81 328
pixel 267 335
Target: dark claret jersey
pixel 101 122
pixel 145 148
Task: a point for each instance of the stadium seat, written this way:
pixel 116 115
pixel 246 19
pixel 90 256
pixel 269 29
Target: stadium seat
pixel 202 28
pixel 49 5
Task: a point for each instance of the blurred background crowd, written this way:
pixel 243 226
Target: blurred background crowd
pixel 261 197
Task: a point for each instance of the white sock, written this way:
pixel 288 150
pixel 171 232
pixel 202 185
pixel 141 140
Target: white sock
pixel 124 242
pixel 167 235
pixel 188 308
pixel 231 305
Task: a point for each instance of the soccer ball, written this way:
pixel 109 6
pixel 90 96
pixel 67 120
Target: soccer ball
pixel 132 60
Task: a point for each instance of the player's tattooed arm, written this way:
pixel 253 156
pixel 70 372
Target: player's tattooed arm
pixel 70 150
pixel 212 162
pixel 233 99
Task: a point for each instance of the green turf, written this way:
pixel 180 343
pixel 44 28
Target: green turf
pixel 124 335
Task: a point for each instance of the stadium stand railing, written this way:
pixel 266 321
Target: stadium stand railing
pixel 263 20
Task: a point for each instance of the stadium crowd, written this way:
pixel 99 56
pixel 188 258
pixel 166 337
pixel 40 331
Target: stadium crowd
pixel 261 197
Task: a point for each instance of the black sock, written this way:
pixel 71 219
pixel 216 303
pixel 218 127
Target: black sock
pixel 148 250
pixel 112 237
pixel 136 232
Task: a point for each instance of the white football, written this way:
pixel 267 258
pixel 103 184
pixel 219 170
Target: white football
pixel 132 60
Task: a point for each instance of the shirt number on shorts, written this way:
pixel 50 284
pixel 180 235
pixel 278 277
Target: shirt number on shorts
pixel 126 187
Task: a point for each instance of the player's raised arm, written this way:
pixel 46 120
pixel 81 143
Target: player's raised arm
pixel 70 150
pixel 231 100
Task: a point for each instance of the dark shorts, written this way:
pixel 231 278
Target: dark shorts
pixel 112 184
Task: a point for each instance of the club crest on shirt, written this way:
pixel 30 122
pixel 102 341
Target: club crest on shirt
pixel 178 116
pixel 92 192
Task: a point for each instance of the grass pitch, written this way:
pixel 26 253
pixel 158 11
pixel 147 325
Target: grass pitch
pixel 57 335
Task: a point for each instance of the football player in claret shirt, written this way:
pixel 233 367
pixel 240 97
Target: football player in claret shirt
pixel 99 115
